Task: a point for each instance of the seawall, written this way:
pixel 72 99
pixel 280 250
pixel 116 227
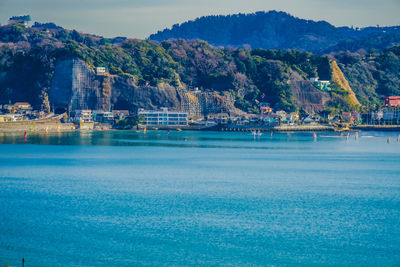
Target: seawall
pixel 51 125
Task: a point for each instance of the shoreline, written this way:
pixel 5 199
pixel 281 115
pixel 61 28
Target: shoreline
pixel 54 125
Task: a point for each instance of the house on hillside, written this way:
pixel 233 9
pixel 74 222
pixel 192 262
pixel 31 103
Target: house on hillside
pixel 23 106
pixel 100 70
pixel 321 84
pixel 20 19
pixel 266 110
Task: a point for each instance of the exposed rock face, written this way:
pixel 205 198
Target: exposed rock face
pixel 126 95
pixel 75 86
pixel 311 99
pixel 198 103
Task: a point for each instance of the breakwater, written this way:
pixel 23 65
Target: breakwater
pixel 388 128
pixel 47 124
pixel 280 128
pixel 305 128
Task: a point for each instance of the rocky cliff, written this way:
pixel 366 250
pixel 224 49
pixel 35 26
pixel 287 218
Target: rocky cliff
pixel 126 95
pixel 76 86
pixel 39 62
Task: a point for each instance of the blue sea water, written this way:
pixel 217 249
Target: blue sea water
pixel 123 198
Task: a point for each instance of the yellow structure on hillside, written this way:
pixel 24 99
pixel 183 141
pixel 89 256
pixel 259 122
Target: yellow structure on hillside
pixel 338 77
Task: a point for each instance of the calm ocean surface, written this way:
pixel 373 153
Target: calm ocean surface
pixel 122 198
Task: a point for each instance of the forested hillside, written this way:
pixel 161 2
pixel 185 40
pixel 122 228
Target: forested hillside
pixel 279 30
pixel 28 57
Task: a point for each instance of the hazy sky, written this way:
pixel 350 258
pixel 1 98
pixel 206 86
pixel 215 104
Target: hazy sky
pixel 140 18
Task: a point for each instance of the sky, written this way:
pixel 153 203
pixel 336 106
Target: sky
pixel 140 18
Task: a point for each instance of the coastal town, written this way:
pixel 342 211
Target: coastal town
pixel 20 116
pixel 198 133
pixel 94 95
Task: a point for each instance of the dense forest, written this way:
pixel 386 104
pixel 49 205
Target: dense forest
pixel 28 56
pixel 279 30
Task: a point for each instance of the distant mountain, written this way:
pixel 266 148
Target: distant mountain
pixel 280 30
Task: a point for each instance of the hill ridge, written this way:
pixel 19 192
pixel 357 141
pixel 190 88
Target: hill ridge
pixel 277 30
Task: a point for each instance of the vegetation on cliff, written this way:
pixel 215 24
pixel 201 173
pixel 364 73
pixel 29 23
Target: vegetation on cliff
pixel 28 57
pixel 371 74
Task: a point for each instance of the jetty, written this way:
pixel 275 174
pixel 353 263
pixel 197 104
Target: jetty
pixel 50 123
pixel 388 128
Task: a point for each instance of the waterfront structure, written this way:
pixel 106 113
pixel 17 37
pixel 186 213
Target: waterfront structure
pixel 219 118
pixel 270 119
pixel 351 117
pixel 103 116
pixel 346 117
pixel 120 114
pixel 163 117
pixel 249 118
pixel 314 119
pixel 18 107
pixel 11 117
pixel 281 114
pixel 389 114
pixel 84 115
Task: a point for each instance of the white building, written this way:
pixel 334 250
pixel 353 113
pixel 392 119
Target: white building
pixel 84 115
pixel 103 116
pixel 100 70
pixel 390 114
pixel 320 84
pixel 163 117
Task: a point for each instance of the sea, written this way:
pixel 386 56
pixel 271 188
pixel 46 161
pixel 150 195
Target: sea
pixel 181 198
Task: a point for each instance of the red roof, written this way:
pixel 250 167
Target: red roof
pixel 392 98
pixel 392 101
